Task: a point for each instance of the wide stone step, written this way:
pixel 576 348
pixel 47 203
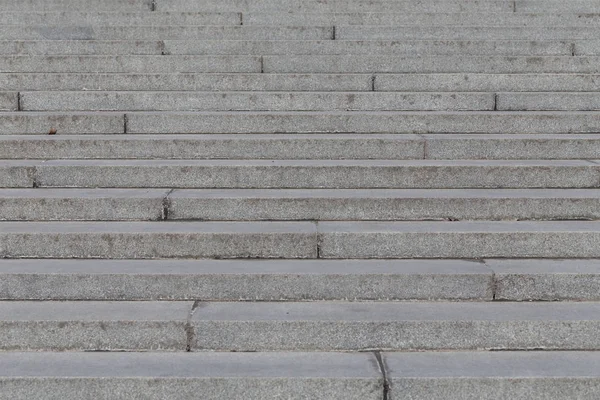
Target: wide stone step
pixel 92 376
pixel 83 47
pixel 133 64
pixel 260 101
pixel 483 122
pixel 160 32
pixel 300 280
pixel 9 101
pixel 422 64
pixel 302 146
pixel 300 174
pixel 335 240
pixel 67 17
pixel 69 5
pixel 297 205
pixel 158 240
pixel 548 101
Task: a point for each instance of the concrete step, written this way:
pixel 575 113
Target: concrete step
pixel 302 147
pixel 85 5
pixel 300 174
pixel 9 101
pixel 130 64
pixel 487 375
pixel 82 47
pixel 301 280
pixel 421 64
pixel 284 6
pixel 548 101
pixel 298 205
pixel 344 122
pixel 56 123
pixel 163 32
pixel 555 6
pixel 87 376
pixel 336 240
pixel 493 19
pixel 301 82
pixel 124 240
pixel 474 239
pixel 344 326
pixel 484 82
pixel 68 17
pixel 478 32
pixel 380 47
pixel 261 101
pixel 201 82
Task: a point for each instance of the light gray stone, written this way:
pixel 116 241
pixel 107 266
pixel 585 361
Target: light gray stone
pixel 478 32
pixel 493 375
pixel 213 146
pixel 373 47
pixel 9 101
pixel 156 376
pixel 17 173
pixel 546 280
pixel 365 122
pixel 556 6
pixel 85 5
pixel 428 64
pixel 253 101
pixel 345 326
pixel 88 205
pixel 93 326
pixel 187 81
pixel 587 47
pixel 339 174
pixel 76 47
pixel 512 147
pixel 548 101
pixel 157 240
pixel 249 280
pixel 60 123
pixel 163 32
pixel 473 239
pixel 537 82
pixel 384 204
pixel 127 64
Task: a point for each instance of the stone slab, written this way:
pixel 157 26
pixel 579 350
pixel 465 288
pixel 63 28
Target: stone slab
pixel 60 123
pixel 130 240
pixel 244 280
pixel 78 47
pixel 93 326
pixel 9 101
pixel 17 173
pixel 548 101
pixel 86 5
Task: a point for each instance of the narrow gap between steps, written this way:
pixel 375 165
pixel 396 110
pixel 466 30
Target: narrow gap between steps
pixel 166 205
pixel 19 107
pixel 153 5
pixel 189 328
pixel 125 122
pixel 383 369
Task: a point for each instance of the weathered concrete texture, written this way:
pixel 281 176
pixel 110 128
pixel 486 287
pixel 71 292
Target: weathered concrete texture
pixel 65 17
pixel 495 19
pixel 587 47
pixel 9 101
pixel 159 32
pixel 493 375
pixel 251 101
pixel 339 174
pixel 384 204
pixel 61 5
pixel 459 239
pixel 126 64
pixel 365 122
pixel 61 326
pixel 429 64
pixel 546 280
pixel 556 6
pixel 78 47
pixel 548 101
pixel 155 376
pixel 395 326
pixel 189 81
pixel 74 205
pixel 253 280
pixel 512 147
pixel 488 82
pixel 335 6
pixel 464 32
pixel 157 240
pixel 372 47
pixel 215 146
pixel 60 123
pixel 17 174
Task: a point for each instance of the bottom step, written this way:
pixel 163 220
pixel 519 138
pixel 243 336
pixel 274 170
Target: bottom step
pixel 417 376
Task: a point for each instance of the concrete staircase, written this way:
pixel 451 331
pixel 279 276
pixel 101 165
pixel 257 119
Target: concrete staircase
pixel 300 199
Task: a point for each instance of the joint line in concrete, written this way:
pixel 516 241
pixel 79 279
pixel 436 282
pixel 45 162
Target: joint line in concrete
pixel 383 369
